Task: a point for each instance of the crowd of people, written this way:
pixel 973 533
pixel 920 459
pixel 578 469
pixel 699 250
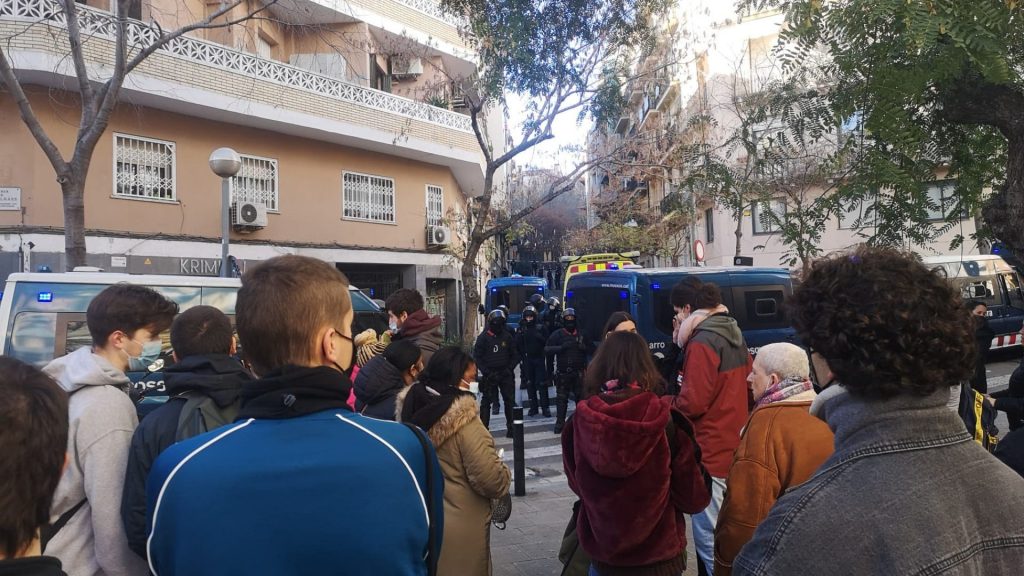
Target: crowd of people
pixel 332 452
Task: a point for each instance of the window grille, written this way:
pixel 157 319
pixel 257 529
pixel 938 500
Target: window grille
pixel 762 213
pixel 368 198
pixel 256 182
pixel 435 205
pixel 143 168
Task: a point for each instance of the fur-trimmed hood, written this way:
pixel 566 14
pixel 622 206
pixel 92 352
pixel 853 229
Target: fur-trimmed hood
pixel 462 411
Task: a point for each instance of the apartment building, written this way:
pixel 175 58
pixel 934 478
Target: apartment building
pixel 355 144
pixel 717 59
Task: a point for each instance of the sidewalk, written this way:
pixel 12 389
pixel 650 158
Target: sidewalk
pixel 529 544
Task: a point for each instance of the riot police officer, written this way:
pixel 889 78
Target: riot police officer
pixel 570 349
pixel 538 302
pixel 551 317
pixel 496 355
pixel 531 338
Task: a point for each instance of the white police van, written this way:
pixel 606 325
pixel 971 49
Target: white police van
pixel 42 316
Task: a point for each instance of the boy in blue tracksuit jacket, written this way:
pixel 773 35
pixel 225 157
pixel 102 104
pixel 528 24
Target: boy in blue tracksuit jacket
pixel 299 484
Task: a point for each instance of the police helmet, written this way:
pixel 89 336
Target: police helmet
pixel 530 310
pixel 554 302
pixel 568 312
pixel 504 309
pixel 497 314
pixel 536 300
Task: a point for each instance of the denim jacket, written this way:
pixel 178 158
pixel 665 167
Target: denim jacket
pixel 907 491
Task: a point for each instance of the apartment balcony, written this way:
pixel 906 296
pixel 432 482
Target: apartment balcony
pixel 199 78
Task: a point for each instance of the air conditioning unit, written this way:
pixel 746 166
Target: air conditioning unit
pixel 438 236
pixel 248 216
pixel 406 67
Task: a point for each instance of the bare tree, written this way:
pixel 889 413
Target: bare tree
pixel 99 90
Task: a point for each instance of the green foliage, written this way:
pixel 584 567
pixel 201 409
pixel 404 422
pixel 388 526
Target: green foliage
pixel 923 77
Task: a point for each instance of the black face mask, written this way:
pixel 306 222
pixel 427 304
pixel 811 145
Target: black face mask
pixel 352 357
pixel 497 325
pixel 570 325
pixel 528 321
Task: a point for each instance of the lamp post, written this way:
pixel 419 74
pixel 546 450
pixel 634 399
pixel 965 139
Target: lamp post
pixel 225 163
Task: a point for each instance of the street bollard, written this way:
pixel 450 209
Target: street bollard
pixel 518 452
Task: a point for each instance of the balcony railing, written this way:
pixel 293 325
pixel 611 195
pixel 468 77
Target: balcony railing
pixel 97 23
pixel 432 8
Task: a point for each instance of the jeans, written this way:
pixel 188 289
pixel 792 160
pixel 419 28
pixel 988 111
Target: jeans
pixel 704 525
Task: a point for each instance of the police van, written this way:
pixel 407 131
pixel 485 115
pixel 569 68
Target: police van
pixel 42 316
pixel 988 279
pixel 754 296
pixel 513 291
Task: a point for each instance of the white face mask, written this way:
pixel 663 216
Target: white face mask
pixel 150 353
pixel 474 386
pixel 393 325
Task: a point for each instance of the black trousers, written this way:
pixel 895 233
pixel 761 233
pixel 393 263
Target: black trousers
pixel 569 383
pixel 498 383
pixel 535 376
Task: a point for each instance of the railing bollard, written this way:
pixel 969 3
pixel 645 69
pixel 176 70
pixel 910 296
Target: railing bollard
pixel 518 452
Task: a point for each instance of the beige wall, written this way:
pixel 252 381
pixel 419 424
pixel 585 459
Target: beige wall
pixel 309 174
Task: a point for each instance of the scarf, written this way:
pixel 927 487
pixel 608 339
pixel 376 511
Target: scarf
pixel 293 391
pixel 784 389
pixel 425 405
pixel 688 325
pixel 613 386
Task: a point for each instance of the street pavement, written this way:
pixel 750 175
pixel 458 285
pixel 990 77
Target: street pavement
pixel 529 544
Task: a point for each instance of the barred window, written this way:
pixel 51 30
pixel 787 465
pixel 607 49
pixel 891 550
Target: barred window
pixel 143 168
pixel 765 214
pixel 369 198
pixel 256 182
pixel 435 205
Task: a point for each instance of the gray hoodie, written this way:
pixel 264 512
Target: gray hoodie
pixel 102 419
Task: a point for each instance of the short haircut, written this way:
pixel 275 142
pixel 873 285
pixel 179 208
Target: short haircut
pixel 785 359
pixel 691 291
pixel 282 305
pixel 404 300
pixel 885 322
pixel 127 307
pixel 33 442
pixel 201 330
pixel 403 354
pixel 626 357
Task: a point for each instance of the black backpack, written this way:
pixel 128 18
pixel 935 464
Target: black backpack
pixel 979 416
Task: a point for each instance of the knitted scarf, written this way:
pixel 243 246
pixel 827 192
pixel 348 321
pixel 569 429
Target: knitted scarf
pixel 689 324
pixel 784 389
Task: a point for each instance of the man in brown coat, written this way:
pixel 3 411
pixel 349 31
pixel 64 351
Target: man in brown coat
pixel 781 446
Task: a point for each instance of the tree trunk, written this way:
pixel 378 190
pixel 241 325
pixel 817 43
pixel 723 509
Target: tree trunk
pixel 470 292
pixel 73 189
pixel 1004 212
pixel 739 232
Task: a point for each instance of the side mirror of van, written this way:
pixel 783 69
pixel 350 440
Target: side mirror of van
pixel 480 308
pixel 979 291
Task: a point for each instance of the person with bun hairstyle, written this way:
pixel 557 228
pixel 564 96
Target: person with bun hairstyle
pixel 713 392
pixel 384 376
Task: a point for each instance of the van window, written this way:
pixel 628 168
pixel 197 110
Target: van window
pixel 762 307
pixel 32 338
pixel 222 299
pixel 663 310
pixel 982 288
pixel 515 297
pixel 76 336
pixel 595 305
pixel 1013 290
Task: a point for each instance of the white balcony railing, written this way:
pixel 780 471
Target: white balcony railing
pixel 431 8
pixel 97 23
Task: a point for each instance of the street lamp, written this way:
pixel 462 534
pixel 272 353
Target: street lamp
pixel 225 163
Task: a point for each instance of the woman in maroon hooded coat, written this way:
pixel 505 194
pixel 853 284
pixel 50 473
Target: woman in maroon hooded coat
pixel 633 490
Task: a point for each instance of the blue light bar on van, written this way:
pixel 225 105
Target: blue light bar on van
pixel 494 289
pixel 655 286
pixel 613 266
pixel 623 295
pixel 568 294
pixel 45 297
pixel 372 292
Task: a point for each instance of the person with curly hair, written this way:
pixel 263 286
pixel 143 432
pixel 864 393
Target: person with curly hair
pixel 907 490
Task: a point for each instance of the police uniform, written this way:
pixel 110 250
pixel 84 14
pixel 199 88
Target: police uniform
pixel 551 317
pixel 496 356
pixel 569 347
pixel 531 338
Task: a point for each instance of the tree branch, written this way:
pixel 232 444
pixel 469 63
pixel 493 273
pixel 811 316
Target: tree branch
pixel 28 116
pixel 81 71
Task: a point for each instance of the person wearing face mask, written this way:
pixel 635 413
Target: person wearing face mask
pixel 125 322
pixel 531 336
pixel 570 349
pixel 299 482
pixel 382 377
pixel 408 320
pixel 443 403
pixel 496 355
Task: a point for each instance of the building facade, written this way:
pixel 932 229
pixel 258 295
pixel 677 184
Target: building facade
pixel 718 59
pixel 354 140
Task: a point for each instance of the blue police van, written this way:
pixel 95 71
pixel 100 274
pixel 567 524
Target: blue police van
pixel 513 291
pixel 754 296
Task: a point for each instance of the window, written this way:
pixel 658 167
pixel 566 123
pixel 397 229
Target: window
pixel 368 198
pixel 761 309
pixel 595 306
pixel 943 200
pixel 762 61
pixel 860 214
pixel 709 225
pixel 265 46
pixel 765 213
pixel 256 182
pixel 435 205
pixel 143 168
